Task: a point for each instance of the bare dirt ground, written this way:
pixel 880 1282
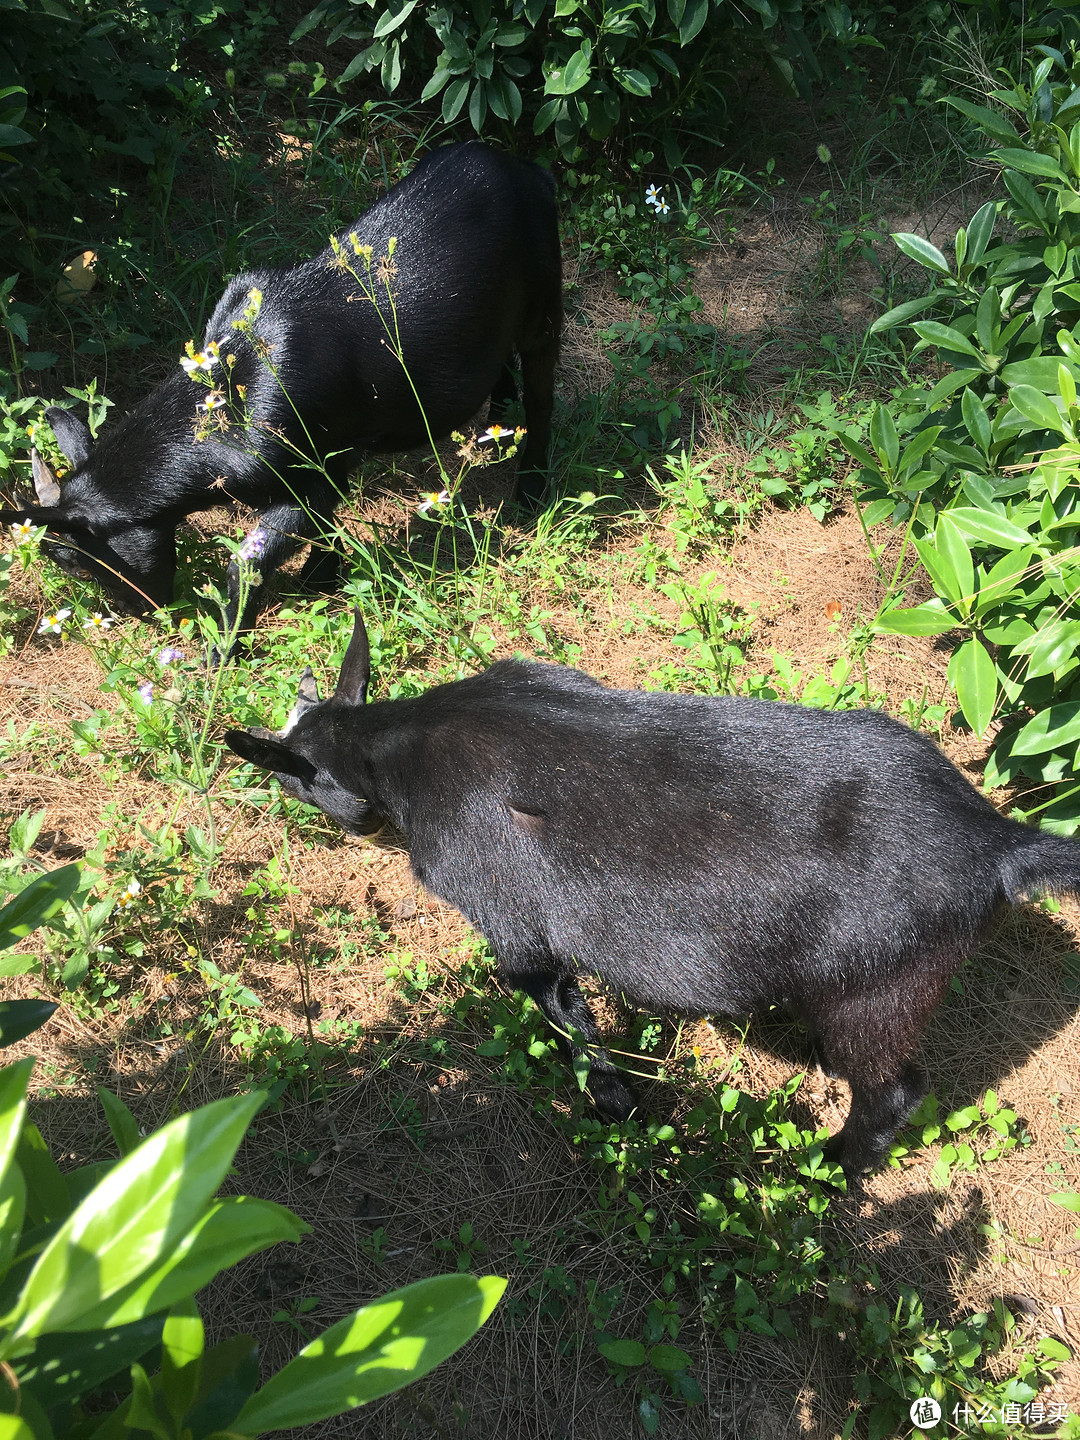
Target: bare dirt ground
pixel 404 1151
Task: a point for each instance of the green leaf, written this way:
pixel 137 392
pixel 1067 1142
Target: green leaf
pixel 669 1359
pixel 988 526
pixel 1053 1349
pixel 976 419
pixel 47 1195
pixel 37 903
pixel 920 250
pixel 973 675
pixel 1051 729
pixel 13 1428
pixel 13 1082
pixel 899 313
pixel 1067 1199
pixel 941 571
pixel 124 1126
pixel 230 1230
pixel 571 77
pixel 929 619
pixel 1036 407
pixel 380 1348
pixel 953 549
pixel 883 437
pixel 1051 648
pixel 142 1413
pixel 389 21
pixel 230 1372
pixel 1030 162
pixel 63 1367
pixel 635 82
pixel 918 447
pixel 945 338
pixel 628 1353
pixel 134 1218
pixel 454 97
pixel 16 964
pixel 12 1215
pixel 994 124
pixel 1042 373
pixel 182 1345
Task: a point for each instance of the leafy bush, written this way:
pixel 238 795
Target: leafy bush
pixel 100 1268
pixel 575 66
pixel 983 467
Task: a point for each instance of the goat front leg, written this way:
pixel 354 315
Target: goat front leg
pixel 559 997
pixel 281 530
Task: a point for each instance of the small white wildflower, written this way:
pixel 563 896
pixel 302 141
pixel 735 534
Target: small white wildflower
pixel 433 500
pixel 98 621
pixel 127 899
pixel 662 207
pixel 23 532
pixel 498 433
pixel 203 360
pixel 53 624
pixel 214 401
pixel 652 195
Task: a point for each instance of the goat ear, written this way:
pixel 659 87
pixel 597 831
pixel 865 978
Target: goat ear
pixel 268 753
pixel 72 435
pixel 352 683
pixel 46 485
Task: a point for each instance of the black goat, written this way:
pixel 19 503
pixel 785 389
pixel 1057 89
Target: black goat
pixel 702 855
pixel 321 376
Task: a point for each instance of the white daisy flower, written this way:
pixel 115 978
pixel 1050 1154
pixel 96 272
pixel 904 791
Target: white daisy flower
pixel 23 532
pixel 98 621
pixel 433 500
pixel 53 624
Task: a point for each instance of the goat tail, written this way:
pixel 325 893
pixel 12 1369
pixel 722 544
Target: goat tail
pixel 1040 864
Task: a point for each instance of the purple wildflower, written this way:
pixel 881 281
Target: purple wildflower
pixel 146 692
pixel 253 545
pixel 170 656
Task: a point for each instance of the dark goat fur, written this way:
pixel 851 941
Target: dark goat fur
pixel 702 855
pixel 475 277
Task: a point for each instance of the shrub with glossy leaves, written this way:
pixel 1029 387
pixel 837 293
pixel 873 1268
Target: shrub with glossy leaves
pixel 100 1268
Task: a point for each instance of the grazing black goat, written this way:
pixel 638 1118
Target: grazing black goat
pixel 462 258
pixel 702 855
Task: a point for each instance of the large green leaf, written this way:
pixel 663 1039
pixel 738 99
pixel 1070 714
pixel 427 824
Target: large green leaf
pixel 229 1231
pixel 929 619
pixel 945 338
pixel 953 549
pixel 37 903
pixel 13 1082
pixel 899 313
pixel 994 124
pixel 915 247
pixel 14 1428
pixel 973 675
pixel 182 1343
pixel 19 1018
pixel 47 1196
pixel 124 1126
pixel 1030 162
pixel 1036 407
pixel 571 77
pixel 134 1218
pixel 63 1367
pixel 230 1372
pixel 1051 648
pixel 986 525
pixel 380 1348
pixel 1051 729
